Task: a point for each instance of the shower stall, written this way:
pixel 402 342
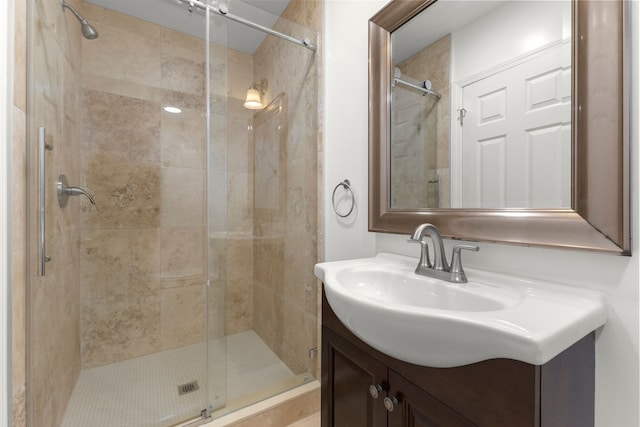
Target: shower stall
pixel 420 131
pixel 414 145
pixel 186 291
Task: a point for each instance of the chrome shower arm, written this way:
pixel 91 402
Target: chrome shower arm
pixel 72 9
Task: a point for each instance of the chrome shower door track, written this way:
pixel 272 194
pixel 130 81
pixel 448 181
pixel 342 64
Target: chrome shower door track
pixel 223 11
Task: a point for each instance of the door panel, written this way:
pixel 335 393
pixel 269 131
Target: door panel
pixel 350 374
pixel 417 408
pixel 516 136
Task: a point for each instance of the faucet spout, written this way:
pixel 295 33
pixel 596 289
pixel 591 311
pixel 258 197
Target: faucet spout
pixel 76 191
pixel 439 256
pixel 425 261
pixel 64 191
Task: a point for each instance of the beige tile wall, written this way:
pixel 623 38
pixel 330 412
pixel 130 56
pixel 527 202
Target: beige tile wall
pixel 54 353
pixel 240 210
pixel 147 168
pixel 286 413
pixel 285 246
pixel 143 244
pixel 19 226
pixel 433 63
pixel 413 150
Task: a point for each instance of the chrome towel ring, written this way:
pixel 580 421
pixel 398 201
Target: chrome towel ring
pixel 347 186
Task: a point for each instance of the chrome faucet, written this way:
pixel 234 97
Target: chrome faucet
pixel 440 268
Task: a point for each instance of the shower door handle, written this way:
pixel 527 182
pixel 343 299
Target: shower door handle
pixel 42 149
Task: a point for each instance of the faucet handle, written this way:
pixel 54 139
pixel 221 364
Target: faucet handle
pixel 456 270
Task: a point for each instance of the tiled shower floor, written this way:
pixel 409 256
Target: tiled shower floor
pixel 143 391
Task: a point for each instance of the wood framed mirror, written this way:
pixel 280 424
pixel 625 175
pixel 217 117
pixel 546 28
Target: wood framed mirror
pixel 598 216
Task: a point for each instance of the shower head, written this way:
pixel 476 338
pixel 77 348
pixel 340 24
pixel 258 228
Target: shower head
pixel 87 29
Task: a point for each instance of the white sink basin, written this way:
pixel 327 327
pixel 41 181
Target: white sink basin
pixel 405 288
pixel 435 323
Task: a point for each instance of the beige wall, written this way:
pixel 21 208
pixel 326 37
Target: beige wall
pixel 434 63
pixel 18 201
pixel 54 360
pixel 285 245
pixel 255 268
pixel 239 196
pixel 142 249
pixel 149 169
pixel 413 149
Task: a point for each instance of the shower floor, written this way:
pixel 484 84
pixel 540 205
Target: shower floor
pixel 144 391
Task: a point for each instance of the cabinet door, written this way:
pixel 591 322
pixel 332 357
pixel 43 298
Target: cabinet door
pixel 417 408
pixel 347 375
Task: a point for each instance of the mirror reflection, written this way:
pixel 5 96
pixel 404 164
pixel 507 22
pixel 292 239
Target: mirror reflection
pixel 481 106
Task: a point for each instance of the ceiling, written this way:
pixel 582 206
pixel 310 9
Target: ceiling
pixel 439 19
pixel 175 15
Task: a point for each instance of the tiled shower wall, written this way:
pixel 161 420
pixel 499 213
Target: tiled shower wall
pixel 434 63
pixel 239 200
pixel 143 246
pixel 54 358
pixel 147 171
pixel 413 149
pixel 142 249
pixel 19 224
pixel 285 245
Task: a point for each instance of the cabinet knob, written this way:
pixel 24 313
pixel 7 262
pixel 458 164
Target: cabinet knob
pixel 390 403
pixel 375 390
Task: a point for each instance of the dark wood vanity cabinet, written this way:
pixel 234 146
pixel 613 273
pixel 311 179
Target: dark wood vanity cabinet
pixel 350 373
pixel 493 393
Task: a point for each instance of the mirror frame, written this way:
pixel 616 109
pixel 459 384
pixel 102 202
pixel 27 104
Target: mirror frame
pixel 599 219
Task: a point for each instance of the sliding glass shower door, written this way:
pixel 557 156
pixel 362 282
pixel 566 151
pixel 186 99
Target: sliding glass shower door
pixel 217 226
pixel 126 325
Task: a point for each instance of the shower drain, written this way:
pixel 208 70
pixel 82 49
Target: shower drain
pixel 188 388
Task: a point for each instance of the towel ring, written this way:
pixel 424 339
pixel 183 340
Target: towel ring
pixel 347 186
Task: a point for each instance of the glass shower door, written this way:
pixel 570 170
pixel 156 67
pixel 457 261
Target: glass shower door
pixel 120 326
pixel 217 228
pixel 264 175
pixel 414 148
